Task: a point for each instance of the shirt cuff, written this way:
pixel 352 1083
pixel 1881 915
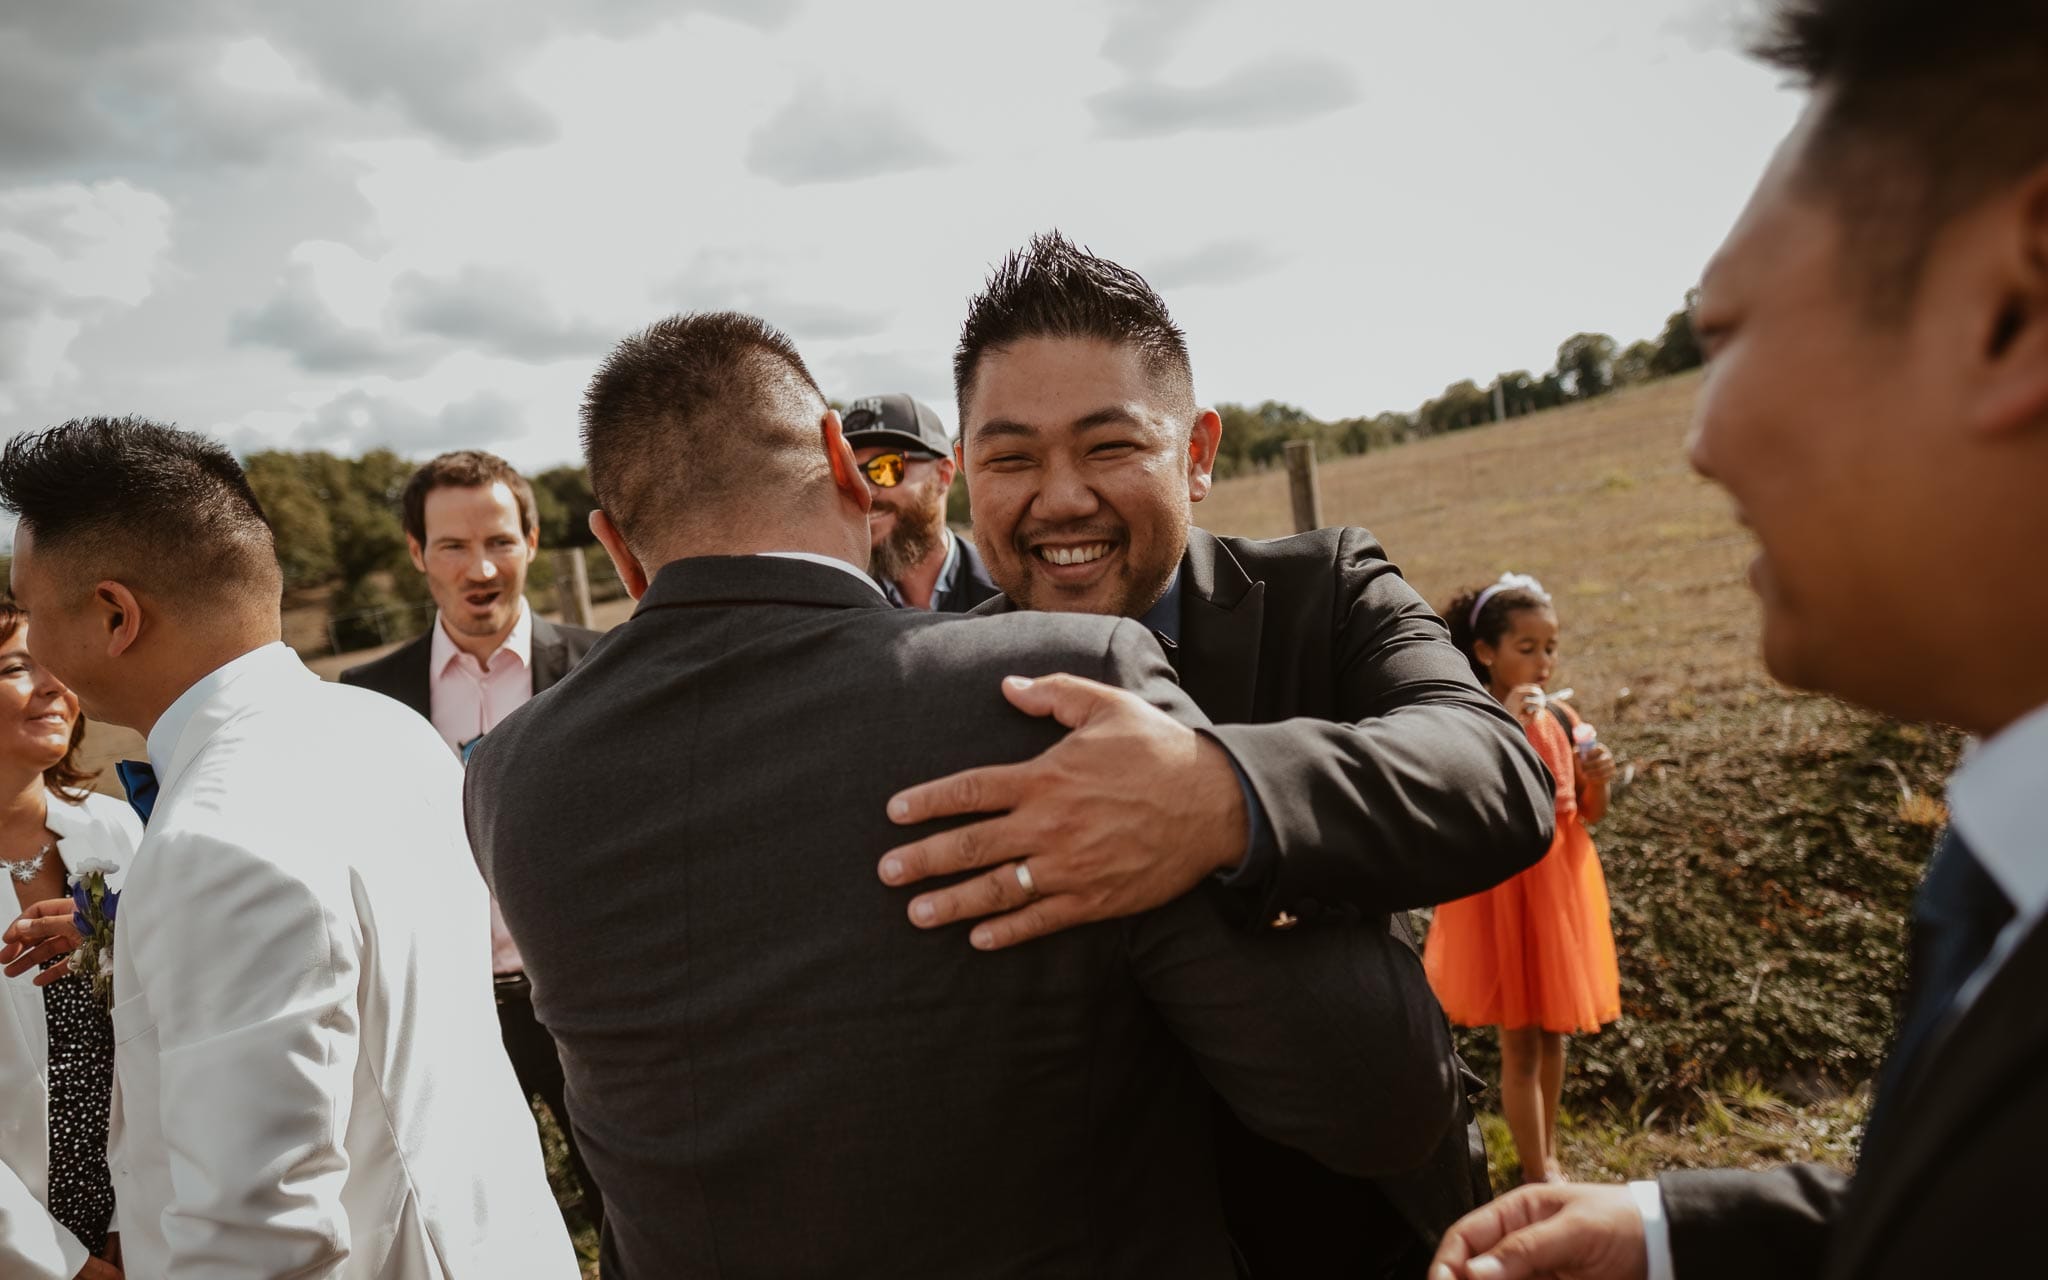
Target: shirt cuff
pixel 1260 848
pixel 1656 1230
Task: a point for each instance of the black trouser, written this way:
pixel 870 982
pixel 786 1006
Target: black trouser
pixel 539 1068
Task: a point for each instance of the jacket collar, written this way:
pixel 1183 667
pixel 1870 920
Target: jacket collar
pixel 709 580
pixel 188 723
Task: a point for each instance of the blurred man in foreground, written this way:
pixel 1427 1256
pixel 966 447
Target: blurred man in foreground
pixel 1876 402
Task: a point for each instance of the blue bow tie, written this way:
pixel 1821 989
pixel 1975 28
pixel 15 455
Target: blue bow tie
pixel 138 779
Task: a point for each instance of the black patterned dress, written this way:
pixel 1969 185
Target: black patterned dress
pixel 81 1094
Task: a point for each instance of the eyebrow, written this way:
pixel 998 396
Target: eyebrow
pixel 1107 416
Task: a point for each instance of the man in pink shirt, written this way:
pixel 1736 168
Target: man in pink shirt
pixel 472 528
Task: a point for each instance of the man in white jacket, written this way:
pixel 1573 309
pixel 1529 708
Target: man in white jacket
pixel 307 1073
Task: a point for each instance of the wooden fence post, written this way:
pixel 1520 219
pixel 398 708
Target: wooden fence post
pixel 1302 486
pixel 572 587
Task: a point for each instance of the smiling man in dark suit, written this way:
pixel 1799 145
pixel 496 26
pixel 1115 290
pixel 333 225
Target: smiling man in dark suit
pixel 1876 402
pixel 473 529
pixel 1375 773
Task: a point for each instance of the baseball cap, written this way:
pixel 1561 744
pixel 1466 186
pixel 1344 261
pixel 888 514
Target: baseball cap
pixel 895 419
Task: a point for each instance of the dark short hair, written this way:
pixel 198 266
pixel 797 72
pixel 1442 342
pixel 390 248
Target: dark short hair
pixel 67 777
pixel 694 416
pixel 163 510
pixel 1052 288
pixel 1931 106
pixel 463 469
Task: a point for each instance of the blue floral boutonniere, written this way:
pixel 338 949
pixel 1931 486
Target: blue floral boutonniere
pixel 93 905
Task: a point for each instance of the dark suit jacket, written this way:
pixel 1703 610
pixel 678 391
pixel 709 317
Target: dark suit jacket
pixel 403 674
pixel 1390 780
pixel 773 1074
pixel 971 583
pixel 1953 1187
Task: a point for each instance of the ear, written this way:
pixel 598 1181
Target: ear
pixel 419 557
pixel 120 615
pixel 1204 439
pixel 532 543
pixel 2013 396
pixel 1485 652
pixel 630 570
pixel 847 476
pixel 947 470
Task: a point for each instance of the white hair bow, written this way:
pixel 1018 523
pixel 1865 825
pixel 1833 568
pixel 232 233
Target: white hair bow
pixel 1508 582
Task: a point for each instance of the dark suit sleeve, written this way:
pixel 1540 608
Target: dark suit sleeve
pixel 1421 789
pixel 1326 1040
pixel 1730 1222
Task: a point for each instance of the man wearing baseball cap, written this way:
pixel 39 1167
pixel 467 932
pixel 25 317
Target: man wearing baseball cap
pixel 901 445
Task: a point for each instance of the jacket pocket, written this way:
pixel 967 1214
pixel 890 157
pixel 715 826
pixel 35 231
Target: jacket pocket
pixel 131 1018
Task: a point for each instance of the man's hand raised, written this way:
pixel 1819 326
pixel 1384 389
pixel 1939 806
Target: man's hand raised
pixel 1547 1232
pixel 1127 812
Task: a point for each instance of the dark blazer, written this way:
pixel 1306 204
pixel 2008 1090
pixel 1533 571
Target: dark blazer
pixel 773 1074
pixel 971 583
pixel 403 674
pixel 1390 780
pixel 1949 1189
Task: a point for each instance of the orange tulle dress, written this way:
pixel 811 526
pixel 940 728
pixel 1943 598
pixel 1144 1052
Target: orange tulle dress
pixel 1536 951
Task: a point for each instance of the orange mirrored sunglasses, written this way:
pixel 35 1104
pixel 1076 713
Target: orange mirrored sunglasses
pixel 885 470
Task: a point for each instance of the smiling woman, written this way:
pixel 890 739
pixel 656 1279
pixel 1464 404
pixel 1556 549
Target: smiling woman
pixel 56 1045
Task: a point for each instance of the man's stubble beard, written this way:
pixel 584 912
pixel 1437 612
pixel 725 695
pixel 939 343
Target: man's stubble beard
pixel 919 531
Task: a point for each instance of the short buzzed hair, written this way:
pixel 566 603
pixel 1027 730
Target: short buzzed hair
pixel 464 469
pixel 1053 288
pixel 689 424
pixel 1932 105
pixel 164 511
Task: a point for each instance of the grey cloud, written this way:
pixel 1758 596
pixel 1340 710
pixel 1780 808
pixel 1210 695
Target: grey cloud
pixel 1258 96
pixel 83 92
pixel 357 420
pixel 1144 33
pixel 1218 262
pixel 497 311
pixel 818 137
pixel 926 375
pixel 730 280
pixel 299 323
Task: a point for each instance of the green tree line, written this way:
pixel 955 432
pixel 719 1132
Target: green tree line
pixel 1588 365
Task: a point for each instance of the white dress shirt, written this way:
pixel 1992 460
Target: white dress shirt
pixel 1994 804
pixel 34 1245
pixel 830 561
pixel 309 1079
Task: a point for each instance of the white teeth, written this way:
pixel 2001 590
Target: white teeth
pixel 1075 555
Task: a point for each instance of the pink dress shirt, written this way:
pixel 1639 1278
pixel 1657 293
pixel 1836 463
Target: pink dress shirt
pixel 469 699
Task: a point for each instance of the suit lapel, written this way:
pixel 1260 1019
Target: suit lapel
pixel 2004 1031
pixel 415 686
pixel 1222 613
pixel 550 655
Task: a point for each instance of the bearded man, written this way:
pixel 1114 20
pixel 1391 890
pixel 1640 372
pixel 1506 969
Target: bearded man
pixel 903 449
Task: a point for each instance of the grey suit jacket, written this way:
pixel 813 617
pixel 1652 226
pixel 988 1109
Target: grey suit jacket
pixel 403 674
pixel 772 1073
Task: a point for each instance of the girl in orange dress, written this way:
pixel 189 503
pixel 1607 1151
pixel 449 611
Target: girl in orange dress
pixel 1533 956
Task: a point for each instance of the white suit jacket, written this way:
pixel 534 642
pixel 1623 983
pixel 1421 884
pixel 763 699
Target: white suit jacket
pixel 309 1079
pixel 34 1245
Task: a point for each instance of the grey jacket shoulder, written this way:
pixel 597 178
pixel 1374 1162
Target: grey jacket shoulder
pixel 1112 650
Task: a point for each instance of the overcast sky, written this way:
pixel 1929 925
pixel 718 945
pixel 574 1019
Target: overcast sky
pixel 420 222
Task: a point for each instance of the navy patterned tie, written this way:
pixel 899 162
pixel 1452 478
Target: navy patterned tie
pixel 1957 918
pixel 138 779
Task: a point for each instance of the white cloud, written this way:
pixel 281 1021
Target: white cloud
pixel 70 255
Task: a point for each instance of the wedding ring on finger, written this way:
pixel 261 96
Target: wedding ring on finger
pixel 1024 880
